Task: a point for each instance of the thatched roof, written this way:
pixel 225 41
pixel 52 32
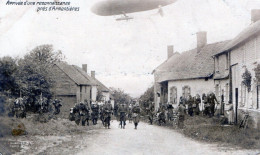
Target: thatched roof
pixel 190 64
pixel 74 74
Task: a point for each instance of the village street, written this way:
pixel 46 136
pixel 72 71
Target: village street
pixel 150 139
pixel 96 140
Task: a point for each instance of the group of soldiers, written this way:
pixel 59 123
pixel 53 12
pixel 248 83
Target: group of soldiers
pixel 20 107
pixel 83 112
pixel 187 106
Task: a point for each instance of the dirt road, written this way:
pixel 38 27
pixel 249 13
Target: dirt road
pixel 150 139
pixel 96 140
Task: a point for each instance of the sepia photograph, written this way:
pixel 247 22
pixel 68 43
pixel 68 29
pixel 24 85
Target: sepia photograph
pixel 130 77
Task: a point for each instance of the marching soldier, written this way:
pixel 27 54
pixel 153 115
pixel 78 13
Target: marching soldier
pixel 136 114
pixel 84 113
pixel 95 112
pixel 130 114
pixel 101 113
pixel 123 112
pixel 107 113
pixel 57 105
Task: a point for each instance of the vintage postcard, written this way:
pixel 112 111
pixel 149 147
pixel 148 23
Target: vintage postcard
pixel 130 77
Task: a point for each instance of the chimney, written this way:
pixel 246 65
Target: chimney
pixel 170 50
pixel 255 15
pixel 93 74
pixel 201 40
pixel 85 67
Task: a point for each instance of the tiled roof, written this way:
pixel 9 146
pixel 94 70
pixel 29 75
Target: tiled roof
pixel 250 31
pixel 190 64
pixel 94 81
pixel 101 86
pixel 74 74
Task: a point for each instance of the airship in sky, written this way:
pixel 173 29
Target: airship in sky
pixel 119 7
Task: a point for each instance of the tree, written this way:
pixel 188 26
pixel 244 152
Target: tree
pixel 120 96
pixel 8 69
pixel 36 73
pixel 147 97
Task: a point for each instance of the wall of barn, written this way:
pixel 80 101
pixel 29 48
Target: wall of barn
pixel 64 89
pixel 246 56
pixel 197 86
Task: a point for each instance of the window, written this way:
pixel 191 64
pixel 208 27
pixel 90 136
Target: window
pixel 173 95
pixel 186 91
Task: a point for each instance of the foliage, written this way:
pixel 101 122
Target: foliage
pixel 35 72
pixel 8 82
pixel 120 96
pixel 247 78
pixel 257 73
pixel 147 97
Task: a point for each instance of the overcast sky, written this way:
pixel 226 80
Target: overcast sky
pixel 124 53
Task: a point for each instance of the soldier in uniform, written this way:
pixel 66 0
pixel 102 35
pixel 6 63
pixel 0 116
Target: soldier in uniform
pixel 76 111
pixel 19 108
pixel 101 113
pixel 84 113
pixel 116 111
pixel 197 101
pixel 95 112
pixel 161 114
pixel 170 112
pixel 130 114
pixel 151 112
pixel 206 104
pixel 136 110
pixel 212 98
pixel 181 113
pixel 190 101
pixel 123 112
pixel 107 109
pixel 57 105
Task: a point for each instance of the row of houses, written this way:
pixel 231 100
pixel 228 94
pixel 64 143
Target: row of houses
pixel 74 85
pixel 230 69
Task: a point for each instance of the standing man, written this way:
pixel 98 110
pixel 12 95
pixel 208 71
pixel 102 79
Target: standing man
pixel 107 113
pixel 190 103
pixel 84 113
pixel 151 112
pixel 123 112
pixel 197 101
pixel 181 113
pixel 212 99
pixel 136 110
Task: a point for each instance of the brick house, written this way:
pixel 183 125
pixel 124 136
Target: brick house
pixel 188 73
pixel 242 54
